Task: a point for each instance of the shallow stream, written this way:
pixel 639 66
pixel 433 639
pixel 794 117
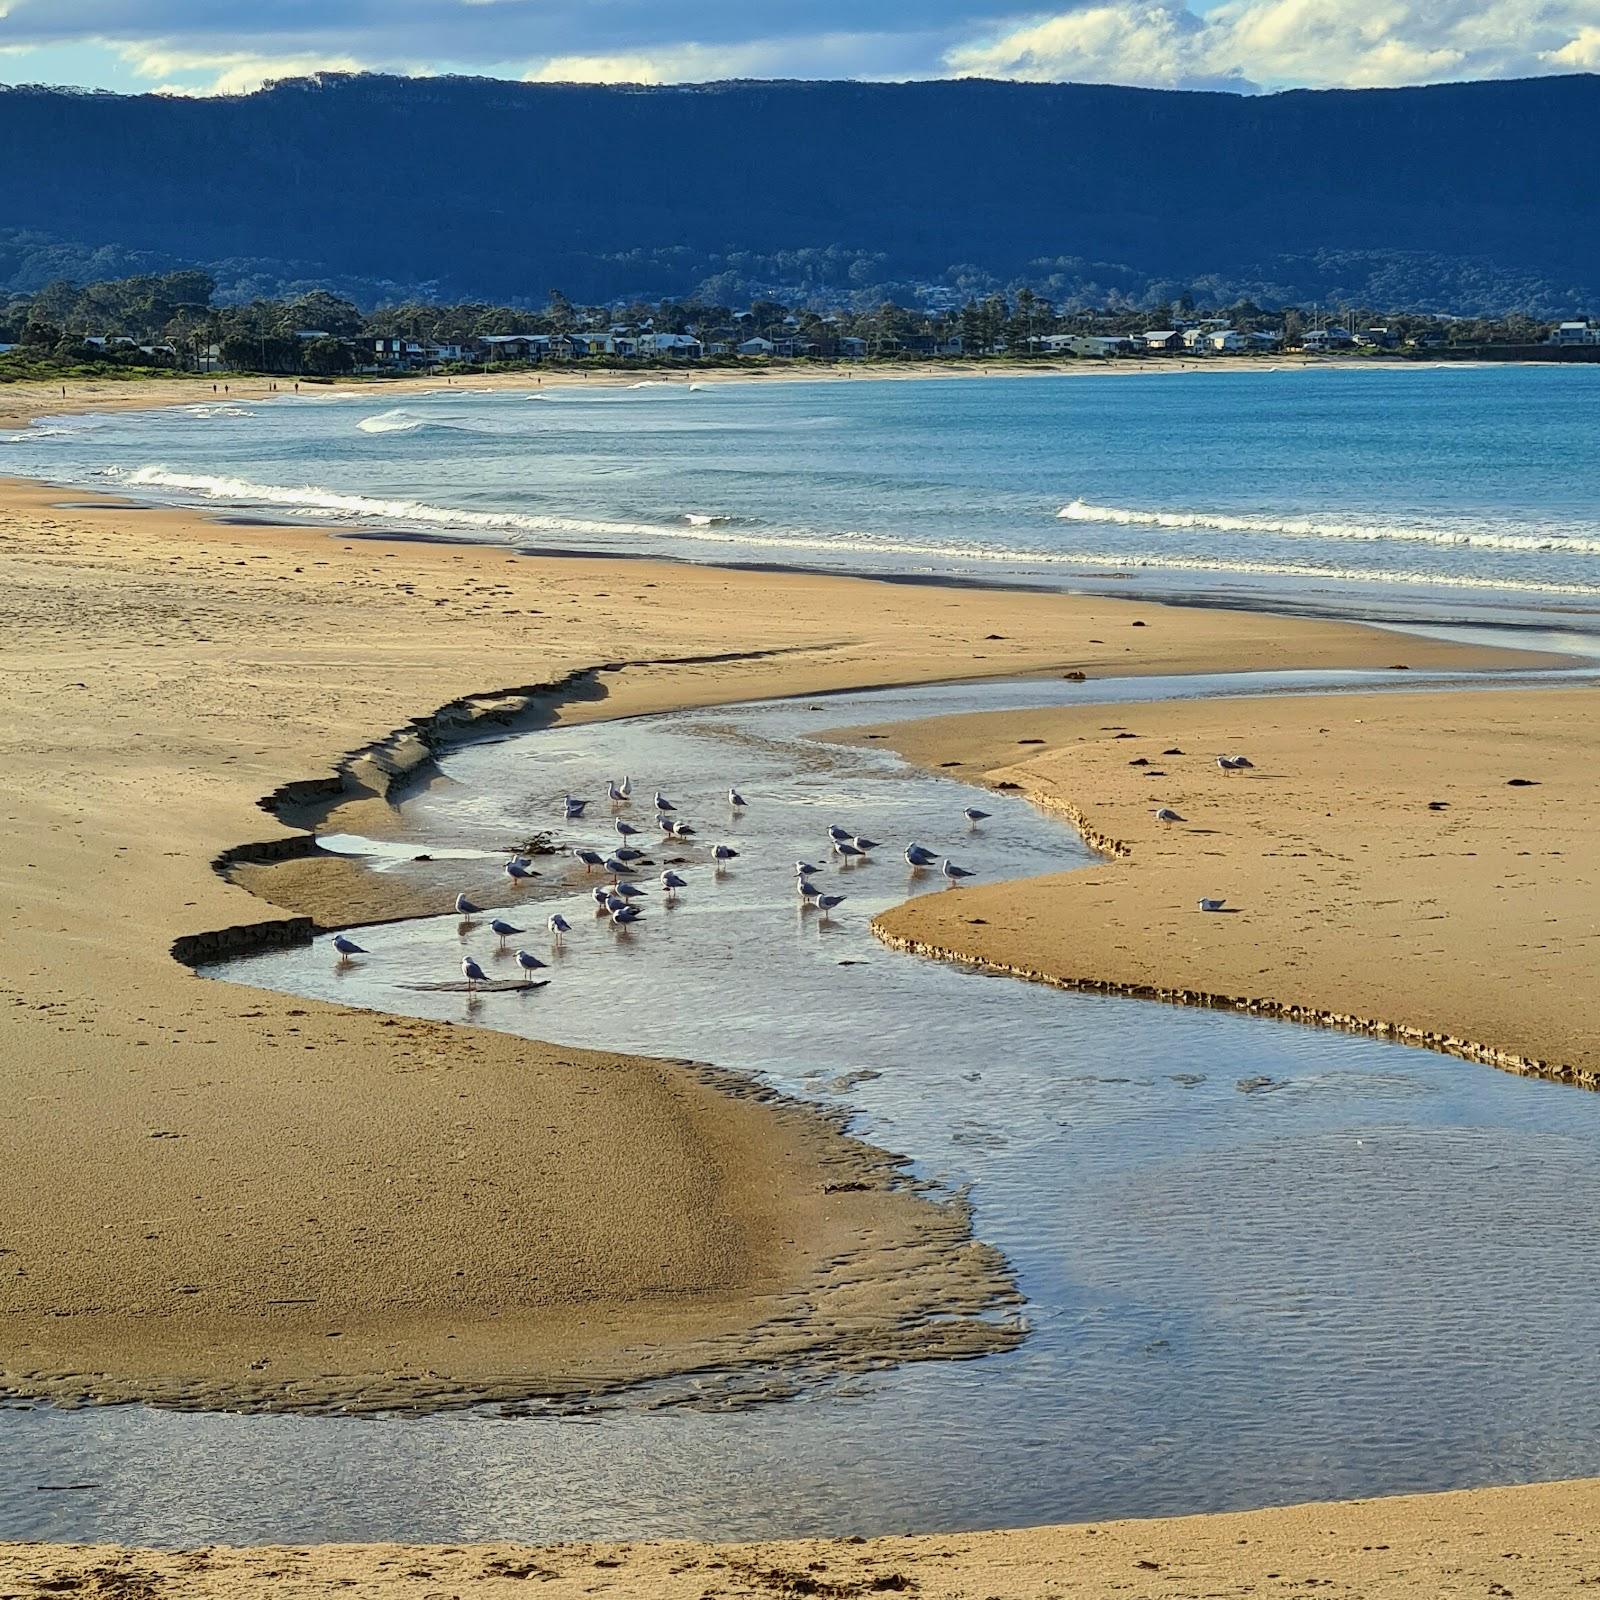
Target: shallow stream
pixel 1263 1263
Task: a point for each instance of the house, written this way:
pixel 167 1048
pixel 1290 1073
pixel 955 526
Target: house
pixel 1584 332
pixel 1377 339
pixel 852 348
pixel 757 347
pixel 514 346
pixel 1226 341
pixel 1162 339
pixel 1330 338
pixel 1197 339
pixel 1263 340
pixel 675 346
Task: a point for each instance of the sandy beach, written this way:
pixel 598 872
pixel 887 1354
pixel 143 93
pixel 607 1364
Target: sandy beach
pixel 260 1201
pixel 23 400
pixel 1415 865
pixel 1537 1541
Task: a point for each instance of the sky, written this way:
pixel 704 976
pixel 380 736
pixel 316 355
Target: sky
pixel 232 46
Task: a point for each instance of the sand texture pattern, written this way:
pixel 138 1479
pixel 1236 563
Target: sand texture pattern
pixel 1425 865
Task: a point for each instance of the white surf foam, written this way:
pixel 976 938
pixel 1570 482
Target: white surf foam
pixel 1314 528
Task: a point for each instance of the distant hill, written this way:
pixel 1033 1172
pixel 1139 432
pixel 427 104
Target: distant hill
pixel 1472 197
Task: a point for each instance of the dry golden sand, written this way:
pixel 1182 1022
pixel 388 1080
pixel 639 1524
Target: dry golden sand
pixel 253 1200
pixel 1537 1543
pixel 1380 864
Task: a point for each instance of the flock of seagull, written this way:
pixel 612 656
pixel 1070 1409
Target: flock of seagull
pixel 618 899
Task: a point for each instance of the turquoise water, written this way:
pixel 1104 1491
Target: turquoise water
pixel 1451 491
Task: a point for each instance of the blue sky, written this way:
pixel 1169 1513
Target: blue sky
pixel 231 46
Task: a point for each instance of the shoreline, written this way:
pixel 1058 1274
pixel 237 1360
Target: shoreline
pixel 1532 1540
pixel 27 400
pixel 172 659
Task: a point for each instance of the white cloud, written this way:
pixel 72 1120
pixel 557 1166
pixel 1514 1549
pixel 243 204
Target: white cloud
pixel 224 72
pixel 841 55
pixel 1320 43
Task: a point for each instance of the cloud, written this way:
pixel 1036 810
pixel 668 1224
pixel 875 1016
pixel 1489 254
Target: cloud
pixel 224 72
pixel 1318 43
pixel 830 56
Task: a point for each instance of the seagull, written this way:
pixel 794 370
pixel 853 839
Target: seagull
pixel 804 869
pixel 665 823
pixel 849 851
pixel 590 859
pixel 864 844
pixel 952 873
pixel 574 808
pixel 1168 815
pixel 807 890
pixel 1212 905
pixel 530 963
pixel 1234 763
pixel 662 803
pixel 723 852
pixel 346 948
pixel 837 834
pixel 473 973
pixel 735 799
pixel 672 883
pixel 826 903
pixel 629 891
pixel 557 925
pixel 516 869
pixel 682 830
pixel 974 815
pixel 919 856
pixel 625 830
pixel 627 853
pixel 601 894
pixel 625 914
pixel 626 787
pixel 615 902
pixel 504 929
pixel 615 795
pixel 615 865
pixel 465 908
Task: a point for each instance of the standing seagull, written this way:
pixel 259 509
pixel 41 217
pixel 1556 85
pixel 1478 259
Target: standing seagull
pixel 826 902
pixel 590 859
pixel 473 973
pixel 864 845
pixel 682 830
pixel 628 891
pixel 736 800
pixel 626 790
pixel 574 808
pixel 557 925
pixel 518 871
pixel 531 963
pixel 843 847
pixel 504 929
pixel 952 873
pixel 601 894
pixel 346 948
pixel 465 908
pixel 615 795
pixel 975 816
pixel 804 869
pixel 662 803
pixel 837 834
pixel 918 856
pixel 672 883
pixel 1167 815
pixel 616 866
pixel 625 830
pixel 721 853
pixel 625 914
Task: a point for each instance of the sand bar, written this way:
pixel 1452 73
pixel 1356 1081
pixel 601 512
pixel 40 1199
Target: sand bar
pixel 1425 863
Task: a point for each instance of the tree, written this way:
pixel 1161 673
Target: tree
pixel 328 357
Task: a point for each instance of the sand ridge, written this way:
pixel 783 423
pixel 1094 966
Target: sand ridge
pixel 1419 865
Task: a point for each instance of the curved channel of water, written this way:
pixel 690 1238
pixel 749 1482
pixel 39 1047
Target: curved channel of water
pixel 1263 1263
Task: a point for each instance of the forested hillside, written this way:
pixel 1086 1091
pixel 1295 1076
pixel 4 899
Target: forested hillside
pixel 1474 197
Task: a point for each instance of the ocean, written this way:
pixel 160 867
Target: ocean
pixel 1441 493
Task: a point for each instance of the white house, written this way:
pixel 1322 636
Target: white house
pixel 1331 338
pixel 1162 339
pixel 679 346
pixel 1226 341
pixel 1584 332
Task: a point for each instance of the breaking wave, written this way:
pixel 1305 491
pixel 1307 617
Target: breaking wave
pixel 1312 528
pixel 401 421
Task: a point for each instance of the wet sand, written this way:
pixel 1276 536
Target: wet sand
pixel 1424 866
pixel 1529 1542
